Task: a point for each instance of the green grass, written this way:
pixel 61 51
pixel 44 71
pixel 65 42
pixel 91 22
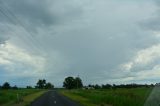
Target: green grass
pixel 25 96
pixel 109 97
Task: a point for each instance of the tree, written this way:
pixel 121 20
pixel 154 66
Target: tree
pixel 97 86
pixel 15 87
pixel 29 87
pixel 107 86
pixel 6 85
pixel 78 82
pixel 49 86
pixel 69 83
pixel 44 82
pixel 41 83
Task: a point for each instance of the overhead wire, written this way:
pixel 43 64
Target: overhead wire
pixel 15 21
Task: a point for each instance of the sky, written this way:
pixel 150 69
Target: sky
pixel 102 41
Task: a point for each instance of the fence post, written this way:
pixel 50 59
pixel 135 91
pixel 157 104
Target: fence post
pixel 17 97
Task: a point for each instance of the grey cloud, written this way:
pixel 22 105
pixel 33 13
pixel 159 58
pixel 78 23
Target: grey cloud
pixel 153 23
pixel 47 12
pixel 2 40
pixel 86 38
pixel 98 47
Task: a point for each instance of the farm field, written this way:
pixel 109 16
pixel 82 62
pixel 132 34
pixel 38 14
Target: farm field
pixel 20 97
pixel 109 97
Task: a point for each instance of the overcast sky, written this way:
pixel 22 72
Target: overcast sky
pixel 102 41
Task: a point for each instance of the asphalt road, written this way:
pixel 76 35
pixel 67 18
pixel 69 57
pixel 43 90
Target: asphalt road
pixel 53 98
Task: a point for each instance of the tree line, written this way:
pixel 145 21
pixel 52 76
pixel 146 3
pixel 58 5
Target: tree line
pixel 114 86
pixel 6 85
pixel 76 83
pixel 41 84
pixel 69 83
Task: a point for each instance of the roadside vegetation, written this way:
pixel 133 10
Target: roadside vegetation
pixel 90 95
pixel 15 96
pixel 108 94
pixel 18 97
pixel 109 97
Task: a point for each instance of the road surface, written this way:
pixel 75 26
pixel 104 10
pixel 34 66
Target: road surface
pixel 53 98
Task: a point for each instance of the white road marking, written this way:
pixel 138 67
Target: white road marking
pixel 55 102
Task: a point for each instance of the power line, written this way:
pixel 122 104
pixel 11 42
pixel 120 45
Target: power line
pixel 14 20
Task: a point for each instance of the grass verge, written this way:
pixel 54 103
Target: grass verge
pixel 26 97
pixel 109 97
pixel 77 98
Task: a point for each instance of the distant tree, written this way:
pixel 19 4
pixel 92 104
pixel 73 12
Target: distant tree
pixel 72 83
pixel 97 86
pixel 44 82
pixel 114 85
pixel 152 85
pixel 41 83
pixel 69 83
pixel 49 86
pixel 15 87
pixel 90 85
pixel 29 87
pixel 6 85
pixel 78 82
pixel 107 86
pixel 36 87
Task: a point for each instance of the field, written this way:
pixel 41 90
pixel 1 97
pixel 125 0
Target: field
pixel 110 97
pixel 20 96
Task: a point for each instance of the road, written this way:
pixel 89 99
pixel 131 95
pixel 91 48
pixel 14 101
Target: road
pixel 53 98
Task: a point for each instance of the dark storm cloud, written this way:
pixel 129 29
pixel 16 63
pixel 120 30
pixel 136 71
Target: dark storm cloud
pixel 87 38
pixel 48 12
pixel 97 47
